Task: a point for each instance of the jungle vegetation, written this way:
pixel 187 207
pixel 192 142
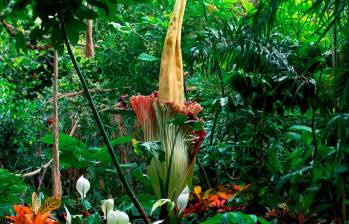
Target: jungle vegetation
pixel 270 144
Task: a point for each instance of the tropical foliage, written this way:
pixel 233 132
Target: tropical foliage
pixel 264 139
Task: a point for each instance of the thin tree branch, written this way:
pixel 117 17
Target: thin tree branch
pixel 12 32
pixel 100 124
pixel 74 127
pixel 46 165
pixel 74 94
pixel 37 171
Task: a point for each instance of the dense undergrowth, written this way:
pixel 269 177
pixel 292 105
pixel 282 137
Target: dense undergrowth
pixel 272 78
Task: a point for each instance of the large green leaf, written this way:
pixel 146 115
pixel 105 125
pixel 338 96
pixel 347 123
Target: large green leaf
pixel 66 143
pixel 102 154
pixel 75 153
pixel 235 218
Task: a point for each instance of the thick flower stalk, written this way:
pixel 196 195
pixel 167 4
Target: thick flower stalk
pixel 180 142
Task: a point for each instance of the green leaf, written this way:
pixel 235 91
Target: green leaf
pixel 36 33
pixel 108 7
pixel 150 150
pixel 73 28
pixel 147 57
pixel 288 176
pixel 69 160
pixel 213 220
pixel 292 136
pixel 248 6
pixel 85 13
pixel 182 120
pixel 56 35
pixel 20 41
pixel 132 2
pixel 195 125
pixel 94 219
pixel 300 128
pixel 234 218
pixel 158 204
pixel 86 205
pixel 66 143
pixel 3 4
pixel 307 138
pixel 102 155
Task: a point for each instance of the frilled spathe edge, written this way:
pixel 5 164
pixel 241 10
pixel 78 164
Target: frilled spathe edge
pixel 153 115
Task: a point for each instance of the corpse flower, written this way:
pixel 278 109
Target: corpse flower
pixel 180 142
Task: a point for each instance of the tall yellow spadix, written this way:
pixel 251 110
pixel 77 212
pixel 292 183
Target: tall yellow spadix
pixel 171 72
pixel 179 142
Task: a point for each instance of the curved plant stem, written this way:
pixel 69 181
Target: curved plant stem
pixel 204 173
pixel 100 124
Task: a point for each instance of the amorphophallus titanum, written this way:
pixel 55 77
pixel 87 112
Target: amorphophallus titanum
pixel 180 142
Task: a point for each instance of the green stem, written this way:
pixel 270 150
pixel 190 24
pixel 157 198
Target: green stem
pixel 313 130
pixel 204 10
pixel 204 173
pixel 170 163
pixel 100 125
pixel 215 120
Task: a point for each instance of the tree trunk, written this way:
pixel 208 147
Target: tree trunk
pixel 90 51
pixel 56 185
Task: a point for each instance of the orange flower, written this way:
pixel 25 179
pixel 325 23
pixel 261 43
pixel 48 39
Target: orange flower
pixel 197 191
pixel 211 8
pixel 224 195
pixel 26 216
pixel 236 187
pixel 36 213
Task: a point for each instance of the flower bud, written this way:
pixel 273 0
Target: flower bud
pixel 182 200
pixel 108 206
pixel 117 217
pixel 82 186
pixel 68 216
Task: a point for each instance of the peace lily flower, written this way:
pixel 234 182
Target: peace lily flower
pixel 117 217
pixel 182 200
pixel 153 113
pixel 68 216
pixel 107 207
pixel 82 186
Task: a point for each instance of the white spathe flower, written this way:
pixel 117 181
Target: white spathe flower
pixel 68 216
pixel 158 222
pixel 182 200
pixel 82 186
pixel 117 217
pixel 107 206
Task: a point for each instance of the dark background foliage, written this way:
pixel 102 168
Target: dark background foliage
pixel 272 77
